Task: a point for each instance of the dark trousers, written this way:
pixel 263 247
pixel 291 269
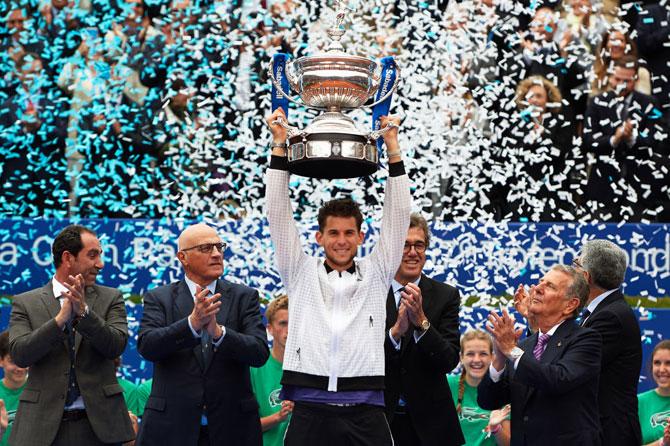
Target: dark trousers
pixel 203 438
pixel 403 431
pixel 325 425
pixel 78 432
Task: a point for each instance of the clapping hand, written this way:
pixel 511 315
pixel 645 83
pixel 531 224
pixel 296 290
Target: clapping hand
pixel 205 308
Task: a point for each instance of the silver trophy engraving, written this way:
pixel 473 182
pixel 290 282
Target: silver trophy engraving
pixel 331 146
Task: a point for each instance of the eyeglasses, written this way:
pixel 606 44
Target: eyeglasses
pixel 419 247
pixel 207 248
pixel 576 263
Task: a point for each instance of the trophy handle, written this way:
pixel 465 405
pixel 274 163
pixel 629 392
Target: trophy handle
pixel 376 134
pixel 291 130
pixel 281 90
pixel 390 92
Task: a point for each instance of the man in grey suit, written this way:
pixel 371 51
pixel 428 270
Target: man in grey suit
pixel 69 332
pixel 202 334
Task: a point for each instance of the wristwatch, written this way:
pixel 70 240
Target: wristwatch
pixel 515 353
pixel 280 145
pixel 425 325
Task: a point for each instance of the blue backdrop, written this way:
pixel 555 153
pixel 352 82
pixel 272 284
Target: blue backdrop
pixel 483 260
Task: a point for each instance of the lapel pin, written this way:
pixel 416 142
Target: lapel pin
pixel 559 344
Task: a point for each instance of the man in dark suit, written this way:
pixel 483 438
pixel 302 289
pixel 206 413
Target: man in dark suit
pixel 69 332
pixel 551 377
pixel 421 347
pixel 607 312
pixel 653 41
pixel 622 130
pixel 202 333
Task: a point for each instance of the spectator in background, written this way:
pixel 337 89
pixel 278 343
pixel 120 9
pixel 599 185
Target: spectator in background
pixel 615 44
pixel 534 149
pixel 551 377
pixel 265 381
pixel 421 347
pixel 201 392
pixel 120 160
pixel 69 332
pixel 11 386
pixel 581 21
pixel 130 396
pixel 19 37
pixel 142 393
pixel 542 55
pixel 628 159
pixel 603 265
pixel 654 404
pixel 33 143
pixel 653 38
pixel 480 427
pixel 60 24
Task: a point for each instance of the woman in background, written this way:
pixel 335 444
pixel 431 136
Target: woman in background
pixel 654 405
pixel 479 426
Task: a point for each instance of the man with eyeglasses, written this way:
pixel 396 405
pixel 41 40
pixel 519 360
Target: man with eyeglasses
pixel 202 334
pixel 421 346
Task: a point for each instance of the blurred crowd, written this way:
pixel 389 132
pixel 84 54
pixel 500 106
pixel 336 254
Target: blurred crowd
pixel 514 109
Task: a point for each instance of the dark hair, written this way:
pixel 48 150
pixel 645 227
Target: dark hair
pixel 69 239
pixel 25 57
pixel 342 207
pixel 627 61
pixel 4 344
pixel 416 220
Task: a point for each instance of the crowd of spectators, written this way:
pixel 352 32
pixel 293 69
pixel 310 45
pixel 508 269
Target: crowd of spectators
pixel 538 111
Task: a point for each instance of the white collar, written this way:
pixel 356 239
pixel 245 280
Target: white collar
pixel 595 302
pixel 397 285
pixel 552 330
pixel 58 288
pixel 192 286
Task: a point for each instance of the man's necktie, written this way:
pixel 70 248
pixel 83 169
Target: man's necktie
pixel 205 338
pixel 541 345
pixel 72 386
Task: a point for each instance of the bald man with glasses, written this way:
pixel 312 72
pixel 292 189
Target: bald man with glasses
pixel 421 347
pixel 202 334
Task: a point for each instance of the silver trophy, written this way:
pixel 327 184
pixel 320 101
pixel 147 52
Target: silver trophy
pixel 331 146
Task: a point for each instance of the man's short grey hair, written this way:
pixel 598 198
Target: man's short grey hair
pixel 578 288
pixel 605 262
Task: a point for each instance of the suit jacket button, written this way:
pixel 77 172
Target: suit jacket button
pixel 525 418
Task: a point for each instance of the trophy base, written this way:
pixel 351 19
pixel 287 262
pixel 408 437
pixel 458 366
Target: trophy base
pixel 332 156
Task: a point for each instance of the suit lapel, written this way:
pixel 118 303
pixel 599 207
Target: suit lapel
pixel 223 288
pixel 182 307
pixel 426 287
pixel 49 300
pixel 557 342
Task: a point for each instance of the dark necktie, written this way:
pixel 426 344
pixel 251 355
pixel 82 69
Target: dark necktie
pixel 205 338
pixel 72 386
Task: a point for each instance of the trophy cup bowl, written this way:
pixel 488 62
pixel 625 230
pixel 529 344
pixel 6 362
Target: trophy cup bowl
pixel 334 82
pixel 331 146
